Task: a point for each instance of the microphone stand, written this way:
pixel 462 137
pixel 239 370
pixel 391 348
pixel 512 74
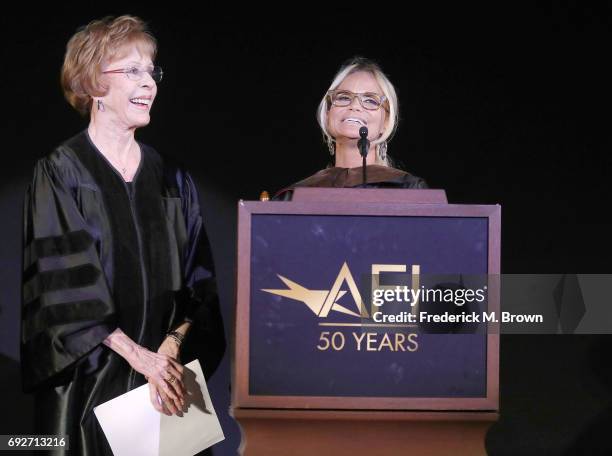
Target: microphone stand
pixel 365 176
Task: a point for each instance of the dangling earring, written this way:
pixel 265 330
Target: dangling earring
pixel 100 106
pixel 332 147
pixel 382 150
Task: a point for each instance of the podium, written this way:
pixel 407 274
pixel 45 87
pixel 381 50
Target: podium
pixel 345 341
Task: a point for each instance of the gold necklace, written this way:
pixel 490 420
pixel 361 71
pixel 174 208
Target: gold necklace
pixel 123 166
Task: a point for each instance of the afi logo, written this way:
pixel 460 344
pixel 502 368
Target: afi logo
pixel 322 302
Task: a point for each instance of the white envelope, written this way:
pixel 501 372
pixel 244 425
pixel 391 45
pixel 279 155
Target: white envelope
pixel 134 428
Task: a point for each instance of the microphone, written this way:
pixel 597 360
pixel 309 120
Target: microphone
pixel 363 143
pixel 364 147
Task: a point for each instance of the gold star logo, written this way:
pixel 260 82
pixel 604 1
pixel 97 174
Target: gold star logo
pixel 321 302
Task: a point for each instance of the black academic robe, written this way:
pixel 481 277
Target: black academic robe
pixel 99 255
pixel 377 176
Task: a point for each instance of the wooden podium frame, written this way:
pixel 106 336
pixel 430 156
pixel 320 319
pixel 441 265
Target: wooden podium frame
pixel 296 425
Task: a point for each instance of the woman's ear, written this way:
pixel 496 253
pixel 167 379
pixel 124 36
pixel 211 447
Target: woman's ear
pixel 386 121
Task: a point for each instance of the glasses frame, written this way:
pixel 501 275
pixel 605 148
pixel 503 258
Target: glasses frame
pixel 360 96
pixel 130 75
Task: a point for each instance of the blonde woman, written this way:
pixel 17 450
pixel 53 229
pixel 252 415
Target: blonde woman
pixel 117 271
pixel 360 95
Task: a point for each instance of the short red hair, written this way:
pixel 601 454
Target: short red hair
pixel 98 42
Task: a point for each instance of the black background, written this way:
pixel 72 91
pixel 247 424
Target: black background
pixel 505 105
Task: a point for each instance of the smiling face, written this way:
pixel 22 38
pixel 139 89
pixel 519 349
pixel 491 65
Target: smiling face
pixel 344 122
pixel 129 101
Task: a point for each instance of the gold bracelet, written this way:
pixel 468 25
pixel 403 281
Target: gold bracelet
pixel 175 338
pixel 176 334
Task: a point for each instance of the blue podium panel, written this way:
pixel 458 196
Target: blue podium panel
pixel 333 311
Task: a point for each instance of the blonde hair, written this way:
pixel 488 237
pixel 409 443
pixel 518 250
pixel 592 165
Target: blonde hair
pixel 98 42
pixel 391 118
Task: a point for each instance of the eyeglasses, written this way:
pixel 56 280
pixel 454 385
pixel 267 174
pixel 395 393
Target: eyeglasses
pixel 135 74
pixel 368 100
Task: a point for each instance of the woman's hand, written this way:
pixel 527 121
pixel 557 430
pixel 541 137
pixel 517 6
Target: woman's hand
pixel 162 369
pixel 171 349
pixel 165 376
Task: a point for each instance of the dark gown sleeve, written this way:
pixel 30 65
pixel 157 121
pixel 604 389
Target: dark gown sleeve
pixel 415 182
pixel 206 338
pixel 67 309
pixel 285 194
